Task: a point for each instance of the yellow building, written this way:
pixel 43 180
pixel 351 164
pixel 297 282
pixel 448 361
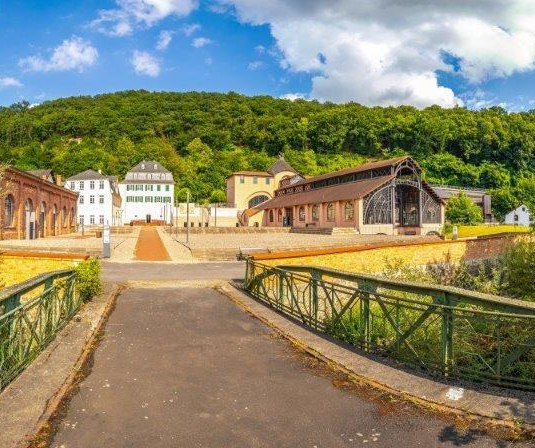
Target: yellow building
pixel 247 189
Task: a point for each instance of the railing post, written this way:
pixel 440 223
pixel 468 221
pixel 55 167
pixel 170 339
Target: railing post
pixel 280 299
pixel 316 278
pixel 247 268
pixel 447 335
pixel 365 316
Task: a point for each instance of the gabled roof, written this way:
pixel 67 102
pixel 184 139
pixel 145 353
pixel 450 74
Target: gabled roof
pixel 41 173
pixel 251 173
pixel 149 166
pixel 88 175
pixel 281 165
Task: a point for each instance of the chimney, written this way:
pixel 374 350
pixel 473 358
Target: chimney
pixel 59 180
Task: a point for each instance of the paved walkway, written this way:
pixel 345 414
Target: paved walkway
pixel 150 247
pixel 187 368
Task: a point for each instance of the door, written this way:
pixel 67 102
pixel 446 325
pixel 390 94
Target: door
pixel 288 217
pixel 149 219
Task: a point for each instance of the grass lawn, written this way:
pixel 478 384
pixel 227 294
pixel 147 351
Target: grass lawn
pixel 16 269
pixel 483 230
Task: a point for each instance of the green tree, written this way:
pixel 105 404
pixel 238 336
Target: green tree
pixel 218 196
pixel 461 210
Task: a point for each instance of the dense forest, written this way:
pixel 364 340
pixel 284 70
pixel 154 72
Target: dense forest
pixel 203 137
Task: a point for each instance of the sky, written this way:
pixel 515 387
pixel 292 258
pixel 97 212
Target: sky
pixel 472 53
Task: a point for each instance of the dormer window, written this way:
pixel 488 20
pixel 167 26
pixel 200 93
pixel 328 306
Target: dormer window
pixel 142 166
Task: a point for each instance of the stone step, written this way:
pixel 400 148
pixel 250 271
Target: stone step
pixel 324 230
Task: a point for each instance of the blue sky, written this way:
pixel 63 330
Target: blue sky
pixel 328 50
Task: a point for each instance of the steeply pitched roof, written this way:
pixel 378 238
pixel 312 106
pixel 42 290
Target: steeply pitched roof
pixel 281 165
pixel 41 173
pixel 87 175
pixel 148 166
pixel 340 192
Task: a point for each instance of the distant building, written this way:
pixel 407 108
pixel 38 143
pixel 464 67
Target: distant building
pixel 99 201
pixel 478 196
pixel 388 197
pixel 35 205
pixel 148 194
pixel 247 189
pixel 520 216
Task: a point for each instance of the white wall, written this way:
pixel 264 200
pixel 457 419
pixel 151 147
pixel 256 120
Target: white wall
pixel 137 203
pixel 99 213
pixel 522 216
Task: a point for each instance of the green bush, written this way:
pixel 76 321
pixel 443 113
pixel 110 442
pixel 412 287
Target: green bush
pixel 461 210
pixel 88 278
pixel 518 261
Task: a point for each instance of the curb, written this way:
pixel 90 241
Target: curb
pixel 42 426
pixel 514 429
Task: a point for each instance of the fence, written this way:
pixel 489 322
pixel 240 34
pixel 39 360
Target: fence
pixel 443 330
pixel 31 313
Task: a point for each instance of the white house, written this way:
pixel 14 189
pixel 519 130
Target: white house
pixel 520 216
pixel 99 201
pixel 148 193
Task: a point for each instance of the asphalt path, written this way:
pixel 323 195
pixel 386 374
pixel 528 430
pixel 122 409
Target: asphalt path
pixel 122 272
pixel 185 367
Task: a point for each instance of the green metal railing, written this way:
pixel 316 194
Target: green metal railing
pixel 31 313
pixel 446 331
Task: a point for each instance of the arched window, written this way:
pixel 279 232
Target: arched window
pixel 349 211
pixel 279 216
pixel 9 211
pixel 257 200
pixel 64 217
pixel 315 213
pixel 330 212
pixel 271 216
pixel 301 213
pixel 28 206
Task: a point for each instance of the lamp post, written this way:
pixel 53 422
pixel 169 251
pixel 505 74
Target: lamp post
pixel 187 217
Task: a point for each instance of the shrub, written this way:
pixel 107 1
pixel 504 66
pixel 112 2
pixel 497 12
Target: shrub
pixel 518 261
pixel 88 276
pixel 461 210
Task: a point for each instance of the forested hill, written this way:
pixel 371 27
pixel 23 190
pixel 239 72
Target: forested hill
pixel 203 137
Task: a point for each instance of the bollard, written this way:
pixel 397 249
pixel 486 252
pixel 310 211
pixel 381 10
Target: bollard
pixel 106 241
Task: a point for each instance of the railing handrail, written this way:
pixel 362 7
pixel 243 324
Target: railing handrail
pixel 454 293
pixel 27 285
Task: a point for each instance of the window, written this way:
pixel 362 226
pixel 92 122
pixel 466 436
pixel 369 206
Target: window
pixel 91 184
pixel 101 219
pixel 268 181
pixel 101 199
pixel 271 216
pixel 167 188
pixel 101 184
pixel 330 212
pixel 148 198
pixel 148 187
pixel 81 200
pixel 242 179
pixel 9 211
pixel 91 199
pixel 158 187
pixel 349 211
pixel 64 217
pixel 81 185
pixel 301 213
pixel 72 185
pixel 255 179
pixel 81 220
pixel 257 200
pixel 92 219
pixel 315 213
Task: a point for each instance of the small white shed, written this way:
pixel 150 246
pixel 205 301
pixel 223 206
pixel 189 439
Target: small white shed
pixel 520 216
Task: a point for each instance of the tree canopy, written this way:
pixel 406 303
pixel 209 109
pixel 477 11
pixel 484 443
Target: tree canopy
pixel 204 137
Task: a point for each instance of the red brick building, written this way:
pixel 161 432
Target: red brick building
pixel 34 206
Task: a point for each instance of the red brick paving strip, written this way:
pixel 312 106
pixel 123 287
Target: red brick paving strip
pixel 149 246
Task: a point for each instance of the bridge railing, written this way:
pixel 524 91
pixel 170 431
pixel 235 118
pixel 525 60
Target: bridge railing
pixel 443 330
pixel 31 313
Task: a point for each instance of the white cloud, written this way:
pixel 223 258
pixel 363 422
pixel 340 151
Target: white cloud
pixel 130 14
pixel 73 54
pixel 260 49
pixel 145 64
pixel 9 82
pixel 200 42
pixel 255 65
pixel 388 52
pixel 190 29
pixel 164 40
